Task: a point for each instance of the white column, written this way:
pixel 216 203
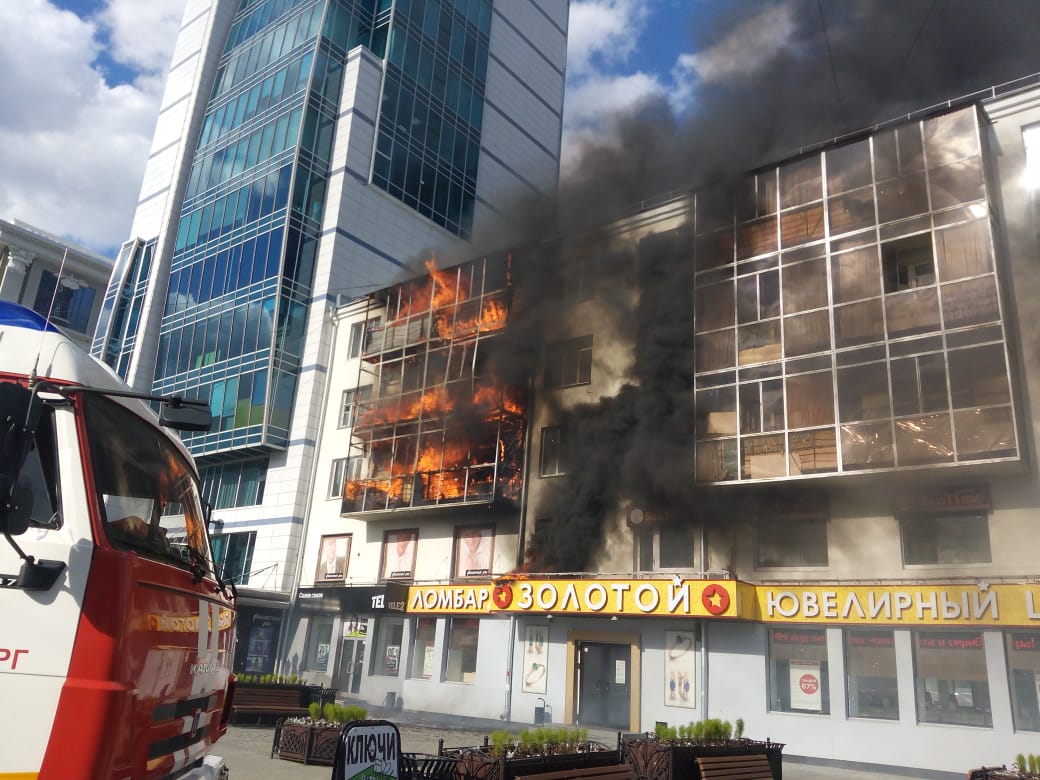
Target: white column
pixel 14 273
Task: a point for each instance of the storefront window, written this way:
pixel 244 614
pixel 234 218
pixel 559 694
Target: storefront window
pixel 461 665
pixel 1023 660
pixel 950 678
pixel 798 671
pixel 386 659
pixel 319 644
pixel 423 649
pixel 870 663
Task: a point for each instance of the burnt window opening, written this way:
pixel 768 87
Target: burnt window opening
pixel 781 542
pixel 908 263
pixel 569 363
pixel 667 546
pixel 553 459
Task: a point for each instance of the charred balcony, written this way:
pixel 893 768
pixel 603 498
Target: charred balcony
pixel 438 427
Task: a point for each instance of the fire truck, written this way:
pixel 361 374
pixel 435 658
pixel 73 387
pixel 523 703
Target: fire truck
pixel 116 634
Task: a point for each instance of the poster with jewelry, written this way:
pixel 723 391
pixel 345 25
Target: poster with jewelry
pixel 679 669
pixel 535 661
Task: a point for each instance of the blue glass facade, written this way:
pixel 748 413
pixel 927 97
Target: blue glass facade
pixel 428 140
pixel 118 323
pixel 241 273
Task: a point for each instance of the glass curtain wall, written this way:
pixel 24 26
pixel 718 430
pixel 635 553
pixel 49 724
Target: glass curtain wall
pixel 847 312
pixel 428 138
pixel 233 325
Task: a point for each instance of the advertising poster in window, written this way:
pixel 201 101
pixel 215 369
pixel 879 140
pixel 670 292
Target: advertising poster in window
pixel 355 627
pixel 473 546
pixel 391 659
pixel 399 554
pixel 679 669
pixel 805 686
pixel 535 660
pixel 332 558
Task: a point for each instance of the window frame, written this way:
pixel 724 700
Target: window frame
pixel 569 363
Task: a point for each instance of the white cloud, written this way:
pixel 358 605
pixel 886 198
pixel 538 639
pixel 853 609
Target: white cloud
pixel 72 147
pixel 603 32
pixel 602 36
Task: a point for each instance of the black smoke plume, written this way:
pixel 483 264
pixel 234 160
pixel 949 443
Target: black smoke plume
pixel 843 67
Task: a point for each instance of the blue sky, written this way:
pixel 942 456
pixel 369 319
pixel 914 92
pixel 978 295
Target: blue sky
pixel 85 77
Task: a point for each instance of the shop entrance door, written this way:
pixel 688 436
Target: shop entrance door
pixel 351 665
pixel 604 686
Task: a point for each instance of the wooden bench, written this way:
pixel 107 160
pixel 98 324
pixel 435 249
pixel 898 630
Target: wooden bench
pixel 262 701
pixel 612 772
pixel 742 767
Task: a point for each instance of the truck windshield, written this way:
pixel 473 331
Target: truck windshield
pixel 149 494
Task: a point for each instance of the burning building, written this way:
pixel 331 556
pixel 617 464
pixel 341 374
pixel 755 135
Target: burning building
pixel 437 426
pixel 782 460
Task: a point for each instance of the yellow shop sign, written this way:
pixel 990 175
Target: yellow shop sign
pixel 901 605
pixel 672 597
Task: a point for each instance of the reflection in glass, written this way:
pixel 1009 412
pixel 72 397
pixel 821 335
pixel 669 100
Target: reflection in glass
pixel 758 343
pixel 813 452
pixel 971 302
pixel 950 678
pixel 856 275
pixel 717 461
pixel 978 376
pixel 985 432
pixel 863 392
pixel 870 664
pixel 763 457
pixel 1023 663
pixel 964 250
pixel 848 167
pixel 805 286
pixel 717 411
pixel 912 312
pixel 858 323
pixel 925 439
pixel 807 333
pixel 919 385
pixel 867 445
pixel 810 400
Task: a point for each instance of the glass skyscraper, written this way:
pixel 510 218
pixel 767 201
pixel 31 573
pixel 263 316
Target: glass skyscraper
pixel 309 151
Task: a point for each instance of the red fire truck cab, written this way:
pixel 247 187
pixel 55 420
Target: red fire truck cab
pixel 118 637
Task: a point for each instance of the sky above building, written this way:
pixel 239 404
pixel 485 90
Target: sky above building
pixel 82 81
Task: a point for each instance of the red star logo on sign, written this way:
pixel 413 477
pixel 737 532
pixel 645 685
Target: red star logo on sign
pixel 502 595
pixel 715 599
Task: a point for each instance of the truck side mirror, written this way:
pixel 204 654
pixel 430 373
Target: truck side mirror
pixel 184 415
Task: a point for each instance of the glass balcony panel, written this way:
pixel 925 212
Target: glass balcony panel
pixel 717 412
pixel 759 343
pixel 924 439
pixel 951 137
pixel 801 225
pixel 984 433
pixel 800 182
pixel 978 377
pixel 863 393
pixel 971 302
pixel 848 167
pixel 959 182
pixel 717 461
pixel 756 238
pixel 902 197
pixel 810 400
pixel 856 275
pixel 763 457
pixel 807 333
pixel 715 351
pixel 911 312
pixel 851 211
pixel 714 307
pixel 964 250
pixel 858 323
pixel 867 446
pixel 898 151
pixel 813 452
pixel 805 286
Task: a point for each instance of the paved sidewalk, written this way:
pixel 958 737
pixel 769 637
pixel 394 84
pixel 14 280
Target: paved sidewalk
pixel 247 749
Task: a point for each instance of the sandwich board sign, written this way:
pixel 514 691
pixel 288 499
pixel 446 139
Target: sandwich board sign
pixel 368 750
